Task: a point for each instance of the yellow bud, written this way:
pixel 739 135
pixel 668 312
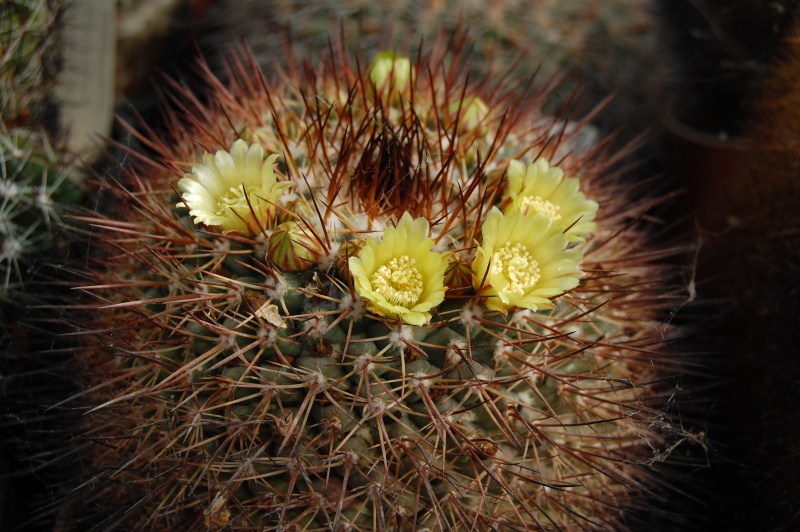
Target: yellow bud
pixel 392 76
pixel 472 113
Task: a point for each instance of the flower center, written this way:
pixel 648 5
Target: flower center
pixel 540 206
pixel 518 267
pixel 399 281
pixel 235 197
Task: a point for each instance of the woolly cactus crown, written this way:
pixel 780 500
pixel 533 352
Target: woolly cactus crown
pixel 353 321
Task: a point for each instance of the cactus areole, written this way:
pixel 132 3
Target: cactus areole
pixel 323 308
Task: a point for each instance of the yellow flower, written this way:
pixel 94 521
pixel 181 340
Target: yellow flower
pixel 522 262
pixel 234 191
pixel 400 275
pixel 543 189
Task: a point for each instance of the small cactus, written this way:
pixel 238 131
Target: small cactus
pixel 35 183
pixel 319 308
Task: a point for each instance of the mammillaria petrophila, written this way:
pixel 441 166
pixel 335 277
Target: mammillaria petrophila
pixel 385 338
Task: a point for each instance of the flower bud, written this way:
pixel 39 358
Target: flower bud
pixel 293 247
pixel 392 75
pixel 472 113
pixel 458 275
pixel 294 209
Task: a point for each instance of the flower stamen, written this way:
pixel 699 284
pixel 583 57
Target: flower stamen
pixel 236 196
pixel 513 262
pixel 540 206
pixel 399 281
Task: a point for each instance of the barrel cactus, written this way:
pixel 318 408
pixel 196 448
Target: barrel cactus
pixel 370 296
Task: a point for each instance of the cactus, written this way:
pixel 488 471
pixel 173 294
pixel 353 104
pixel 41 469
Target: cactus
pixel 374 298
pixel 27 61
pixel 35 184
pixel 37 189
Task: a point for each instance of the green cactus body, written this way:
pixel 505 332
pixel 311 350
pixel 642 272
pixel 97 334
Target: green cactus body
pixel 35 192
pixel 232 391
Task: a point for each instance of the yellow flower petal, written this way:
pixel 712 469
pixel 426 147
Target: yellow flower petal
pixel 543 189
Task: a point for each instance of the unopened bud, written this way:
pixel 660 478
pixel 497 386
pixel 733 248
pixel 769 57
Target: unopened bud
pixel 458 274
pixel 293 247
pixel 472 113
pixel 392 75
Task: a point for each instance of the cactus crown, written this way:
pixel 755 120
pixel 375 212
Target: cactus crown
pixel 349 322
